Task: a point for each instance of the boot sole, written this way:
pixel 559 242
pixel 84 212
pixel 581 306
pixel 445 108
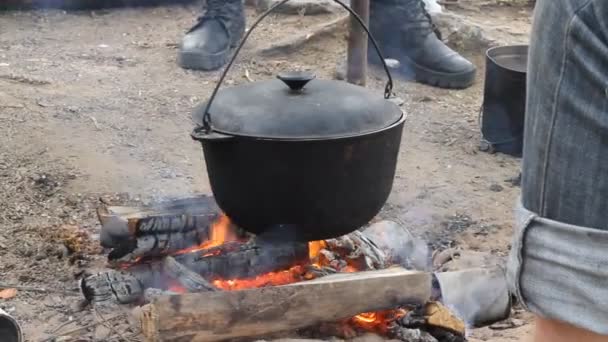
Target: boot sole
pixel 418 73
pixel 198 60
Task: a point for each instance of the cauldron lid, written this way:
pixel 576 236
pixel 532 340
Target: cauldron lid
pixel 297 106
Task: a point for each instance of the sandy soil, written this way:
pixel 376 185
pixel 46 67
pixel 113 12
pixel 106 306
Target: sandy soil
pixel 93 104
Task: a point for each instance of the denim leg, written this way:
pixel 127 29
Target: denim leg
pixel 565 162
pixel 558 262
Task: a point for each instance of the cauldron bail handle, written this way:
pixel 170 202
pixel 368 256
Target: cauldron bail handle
pixel 387 89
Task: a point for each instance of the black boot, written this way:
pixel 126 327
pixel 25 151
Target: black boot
pixel 405 32
pixel 208 44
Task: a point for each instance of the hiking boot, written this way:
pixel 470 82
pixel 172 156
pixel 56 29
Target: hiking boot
pixel 208 44
pixel 405 32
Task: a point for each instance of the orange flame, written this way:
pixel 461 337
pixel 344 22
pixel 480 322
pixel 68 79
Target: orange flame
pixel 377 321
pixel 314 249
pixel 289 276
pixel 366 317
pixel 220 232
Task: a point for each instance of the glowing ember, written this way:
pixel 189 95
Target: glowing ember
pixel 349 269
pixel 366 317
pixel 293 275
pixel 377 321
pixel 176 287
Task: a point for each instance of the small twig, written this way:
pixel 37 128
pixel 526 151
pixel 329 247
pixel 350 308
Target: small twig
pixel 294 42
pixel 75 330
pixel 62 325
pixel 95 123
pixel 29 288
pixel 247 76
pixel 24 79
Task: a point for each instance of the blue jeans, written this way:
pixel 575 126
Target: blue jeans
pixel 558 266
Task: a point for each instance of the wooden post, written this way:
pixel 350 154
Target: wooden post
pixel 356 64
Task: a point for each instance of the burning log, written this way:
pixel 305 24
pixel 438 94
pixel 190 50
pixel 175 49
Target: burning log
pixel 189 280
pixel 356 246
pixel 120 223
pixel 229 261
pixel 157 245
pixel 216 316
pixel 250 260
pixel 122 286
pixel 164 229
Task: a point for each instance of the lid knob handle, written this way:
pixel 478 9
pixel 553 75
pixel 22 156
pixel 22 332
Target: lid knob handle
pixel 296 80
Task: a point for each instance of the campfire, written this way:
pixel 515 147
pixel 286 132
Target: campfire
pixel 184 260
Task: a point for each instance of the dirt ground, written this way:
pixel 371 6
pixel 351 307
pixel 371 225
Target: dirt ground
pixel 93 104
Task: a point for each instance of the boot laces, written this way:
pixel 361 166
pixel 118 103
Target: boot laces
pixel 223 10
pixel 420 19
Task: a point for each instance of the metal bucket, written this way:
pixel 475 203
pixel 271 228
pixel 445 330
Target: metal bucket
pixel 10 331
pixel 504 102
pixel 479 296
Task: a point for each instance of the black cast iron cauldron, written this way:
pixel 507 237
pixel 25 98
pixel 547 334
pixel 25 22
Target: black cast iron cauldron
pixel 298 157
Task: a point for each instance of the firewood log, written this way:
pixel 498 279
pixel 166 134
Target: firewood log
pixel 233 260
pixel 217 316
pixel 123 223
pixel 191 281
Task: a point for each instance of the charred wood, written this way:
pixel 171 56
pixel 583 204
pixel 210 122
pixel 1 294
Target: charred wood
pixel 444 335
pixel 121 223
pixel 249 260
pixel 412 335
pixel 238 260
pixel 153 293
pixel 435 319
pixel 157 245
pixel 317 272
pixel 188 279
pixel 359 249
pixel 122 286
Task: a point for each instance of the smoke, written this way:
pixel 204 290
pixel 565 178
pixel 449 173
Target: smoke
pixel 401 246
pixel 432 6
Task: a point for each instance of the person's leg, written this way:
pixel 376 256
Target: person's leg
pixel 547 330
pixel 558 263
pixel 210 41
pixel 405 32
